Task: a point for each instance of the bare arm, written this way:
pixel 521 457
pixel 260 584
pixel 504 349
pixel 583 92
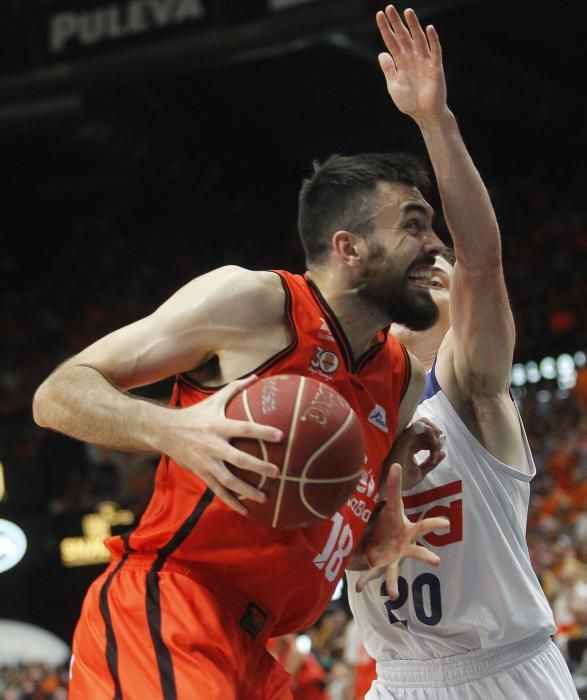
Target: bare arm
pixel 482 322
pixel 410 400
pixel 474 362
pixel 86 396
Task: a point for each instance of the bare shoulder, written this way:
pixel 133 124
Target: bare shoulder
pixel 491 416
pixel 230 294
pixel 209 314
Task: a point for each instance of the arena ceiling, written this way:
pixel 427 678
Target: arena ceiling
pixel 269 87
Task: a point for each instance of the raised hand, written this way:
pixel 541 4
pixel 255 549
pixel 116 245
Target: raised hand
pixel 394 538
pixel 413 67
pixel 198 439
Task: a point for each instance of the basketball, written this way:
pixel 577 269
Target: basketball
pixel 321 455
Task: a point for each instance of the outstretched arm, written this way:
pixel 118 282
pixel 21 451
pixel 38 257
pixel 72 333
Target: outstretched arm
pixel 474 361
pixel 482 323
pixel 87 397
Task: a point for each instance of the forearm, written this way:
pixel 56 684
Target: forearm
pixel 80 402
pixel 466 204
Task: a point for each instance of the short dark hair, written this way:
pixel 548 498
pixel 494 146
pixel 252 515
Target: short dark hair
pixel 341 194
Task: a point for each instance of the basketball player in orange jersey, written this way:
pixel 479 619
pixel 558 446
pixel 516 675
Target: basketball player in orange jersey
pixel 478 626
pixel 192 594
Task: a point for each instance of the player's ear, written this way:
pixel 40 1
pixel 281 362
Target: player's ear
pixel 349 247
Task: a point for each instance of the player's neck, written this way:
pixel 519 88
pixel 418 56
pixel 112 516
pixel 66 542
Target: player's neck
pixel 423 344
pixel 359 323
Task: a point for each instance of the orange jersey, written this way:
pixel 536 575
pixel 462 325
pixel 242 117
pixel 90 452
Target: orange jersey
pixel 288 575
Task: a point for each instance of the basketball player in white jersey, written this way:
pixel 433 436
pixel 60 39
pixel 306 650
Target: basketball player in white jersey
pixel 478 625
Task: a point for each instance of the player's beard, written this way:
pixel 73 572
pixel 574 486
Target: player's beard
pixel 387 290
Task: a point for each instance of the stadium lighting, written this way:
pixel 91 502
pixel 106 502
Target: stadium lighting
pixel 13 544
pixel 563 369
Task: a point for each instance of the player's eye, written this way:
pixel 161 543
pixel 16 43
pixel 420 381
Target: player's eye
pixel 414 225
pixel 436 284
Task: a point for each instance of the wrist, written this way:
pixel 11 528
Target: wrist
pixel 440 121
pixel 155 425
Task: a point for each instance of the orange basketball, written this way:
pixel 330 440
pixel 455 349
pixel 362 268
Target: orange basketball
pixel 320 457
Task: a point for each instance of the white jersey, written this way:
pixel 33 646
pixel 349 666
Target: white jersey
pixel 484 594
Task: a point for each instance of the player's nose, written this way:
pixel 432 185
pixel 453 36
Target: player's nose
pixel 432 244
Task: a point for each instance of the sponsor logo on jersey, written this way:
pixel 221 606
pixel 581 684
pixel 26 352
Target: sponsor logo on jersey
pixel 448 503
pixel 366 483
pixel 324 363
pixel 253 620
pixel 366 487
pixel 378 418
pixel 324 333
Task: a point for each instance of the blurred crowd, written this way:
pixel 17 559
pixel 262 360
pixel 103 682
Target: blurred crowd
pixel 33 681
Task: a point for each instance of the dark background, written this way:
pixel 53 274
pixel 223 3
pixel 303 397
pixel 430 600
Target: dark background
pixel 129 167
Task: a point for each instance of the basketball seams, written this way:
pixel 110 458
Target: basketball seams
pixel 303 480
pixel 323 480
pixel 288 450
pixel 314 478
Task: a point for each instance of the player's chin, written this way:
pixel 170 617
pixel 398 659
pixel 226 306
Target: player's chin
pixel 423 313
pixel 417 294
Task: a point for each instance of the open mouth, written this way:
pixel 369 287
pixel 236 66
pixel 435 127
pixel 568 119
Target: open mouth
pixel 420 276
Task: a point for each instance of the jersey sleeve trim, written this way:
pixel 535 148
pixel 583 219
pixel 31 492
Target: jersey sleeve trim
pixel 264 366
pixel 492 462
pixel 408 372
pixel 431 386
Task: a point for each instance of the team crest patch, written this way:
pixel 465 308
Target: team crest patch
pixel 324 363
pixel 253 620
pixel 378 418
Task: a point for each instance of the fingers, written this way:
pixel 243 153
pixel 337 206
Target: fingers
pixel 423 527
pixel 400 36
pixel 394 482
pixel 246 429
pixel 416 551
pixel 420 40
pixel 429 437
pixel 368 576
pixel 234 388
pixel 218 476
pixel 434 42
pixel 394 490
pixel 242 428
pixel 424 426
pixel 243 460
pixel 419 428
pixel 391 575
pixel 431 462
pixel 225 495
pixel 387 35
pixel 387 65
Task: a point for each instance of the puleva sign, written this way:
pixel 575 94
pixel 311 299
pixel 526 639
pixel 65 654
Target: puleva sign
pixel 118 20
